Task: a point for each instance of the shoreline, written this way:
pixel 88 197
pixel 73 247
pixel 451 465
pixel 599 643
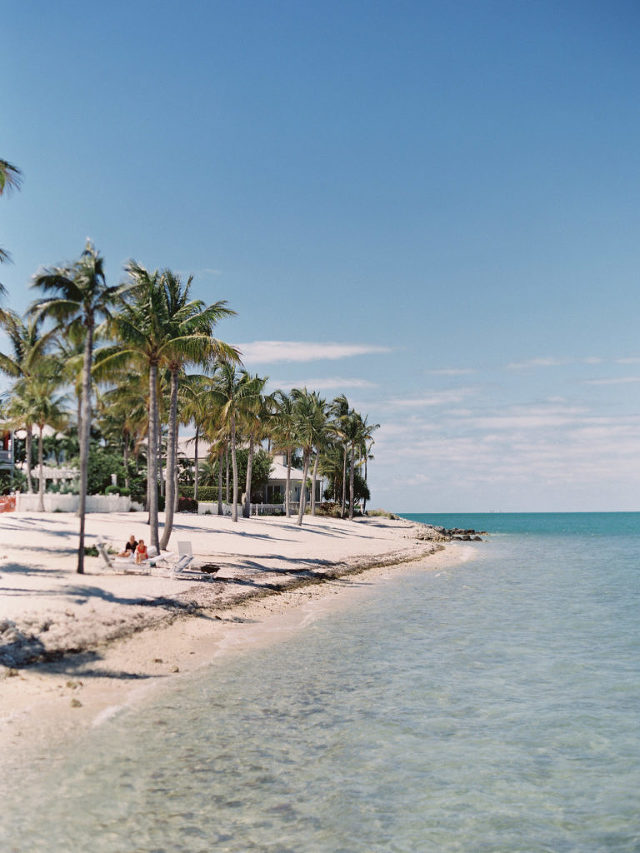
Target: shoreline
pixel 119 663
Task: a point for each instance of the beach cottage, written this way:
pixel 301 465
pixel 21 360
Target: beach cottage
pixel 273 493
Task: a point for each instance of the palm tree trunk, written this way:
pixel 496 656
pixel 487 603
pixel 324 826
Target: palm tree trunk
pixel 288 492
pixel 152 461
pixel 247 497
pixel 28 452
pixel 195 462
pixel 352 469
pixel 79 415
pixel 41 469
pixel 313 484
pixel 226 463
pixel 220 482
pixel 170 502
pixel 159 455
pixel 364 503
pixel 234 463
pixel 85 420
pixel 127 481
pixel 303 487
pixel 344 480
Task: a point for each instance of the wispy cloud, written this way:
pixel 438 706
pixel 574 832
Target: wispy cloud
pixel 537 362
pixel 634 359
pixel 270 352
pixel 452 371
pixel 432 398
pixel 619 380
pixel 323 383
pixel 551 361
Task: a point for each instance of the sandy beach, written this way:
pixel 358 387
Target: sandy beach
pixel 76 648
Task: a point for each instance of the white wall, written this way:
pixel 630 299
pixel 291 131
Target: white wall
pixel 70 503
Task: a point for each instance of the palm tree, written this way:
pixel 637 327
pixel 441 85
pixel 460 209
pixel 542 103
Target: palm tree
pixel 163 328
pixel 321 443
pixel 10 178
pixel 29 347
pixel 80 293
pixel 188 332
pixel 367 443
pixel 254 419
pixel 36 396
pixel 284 436
pixel 309 419
pixel 234 393
pixel 357 432
pixel 193 410
pixel 340 412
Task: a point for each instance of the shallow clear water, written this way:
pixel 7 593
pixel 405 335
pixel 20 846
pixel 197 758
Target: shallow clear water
pixel 491 706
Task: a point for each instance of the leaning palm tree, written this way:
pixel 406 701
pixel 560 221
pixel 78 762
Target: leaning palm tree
pixel 10 178
pixel 79 293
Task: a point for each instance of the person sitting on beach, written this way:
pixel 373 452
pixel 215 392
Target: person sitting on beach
pixel 141 552
pixel 129 548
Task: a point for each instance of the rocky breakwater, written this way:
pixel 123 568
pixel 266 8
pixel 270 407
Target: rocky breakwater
pixel 432 533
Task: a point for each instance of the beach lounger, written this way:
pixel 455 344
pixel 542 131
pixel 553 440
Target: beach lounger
pixel 176 563
pixel 185 558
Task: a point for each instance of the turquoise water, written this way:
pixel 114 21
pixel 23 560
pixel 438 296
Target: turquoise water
pixel 538 523
pixel 490 706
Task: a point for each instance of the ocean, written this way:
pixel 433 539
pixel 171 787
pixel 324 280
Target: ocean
pixel 492 705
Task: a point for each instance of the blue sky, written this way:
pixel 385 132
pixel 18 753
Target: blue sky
pixel 432 207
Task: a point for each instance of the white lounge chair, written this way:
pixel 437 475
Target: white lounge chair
pixel 176 563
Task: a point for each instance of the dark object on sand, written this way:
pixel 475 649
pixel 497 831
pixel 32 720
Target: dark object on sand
pixel 209 568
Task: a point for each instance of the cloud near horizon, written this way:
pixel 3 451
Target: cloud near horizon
pixel 269 352
pixel 323 383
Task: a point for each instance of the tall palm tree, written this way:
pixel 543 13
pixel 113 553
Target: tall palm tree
pixel 79 293
pixel 188 331
pixel 138 329
pixel 29 346
pixel 162 329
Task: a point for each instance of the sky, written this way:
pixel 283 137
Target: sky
pixel 431 207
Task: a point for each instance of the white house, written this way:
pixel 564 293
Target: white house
pixel 275 488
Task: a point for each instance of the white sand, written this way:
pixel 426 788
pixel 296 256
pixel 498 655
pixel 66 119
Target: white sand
pixel 131 633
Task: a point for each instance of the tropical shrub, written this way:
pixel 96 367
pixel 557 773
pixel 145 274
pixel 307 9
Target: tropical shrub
pixel 187 505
